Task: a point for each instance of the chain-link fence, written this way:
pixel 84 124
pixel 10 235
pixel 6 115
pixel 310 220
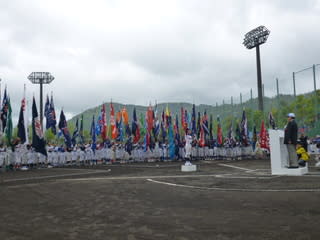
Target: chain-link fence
pixel 296 93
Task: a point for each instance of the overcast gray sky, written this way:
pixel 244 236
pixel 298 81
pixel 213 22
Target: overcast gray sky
pixel 145 50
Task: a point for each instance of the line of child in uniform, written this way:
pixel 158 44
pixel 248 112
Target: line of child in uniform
pixel 17 155
pixel 24 155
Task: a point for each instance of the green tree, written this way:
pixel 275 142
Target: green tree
pixel 50 137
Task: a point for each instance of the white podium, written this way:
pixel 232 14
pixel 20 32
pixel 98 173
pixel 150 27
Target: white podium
pixel 279 156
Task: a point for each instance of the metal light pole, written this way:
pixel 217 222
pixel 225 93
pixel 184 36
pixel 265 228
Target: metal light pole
pixel 41 78
pixel 252 39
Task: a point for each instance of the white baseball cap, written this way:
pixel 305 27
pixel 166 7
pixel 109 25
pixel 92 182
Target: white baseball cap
pixel 291 115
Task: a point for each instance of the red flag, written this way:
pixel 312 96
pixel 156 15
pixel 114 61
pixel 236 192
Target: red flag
pixel 264 139
pixel 219 134
pixel 201 140
pixel 150 118
pixel 114 131
pixel 137 136
pixel 184 124
pixel 104 123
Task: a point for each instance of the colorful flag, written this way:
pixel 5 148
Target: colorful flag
pixel 135 127
pixel 193 120
pixel 156 127
pixel 125 117
pixel 150 118
pixel 93 135
pixel 163 132
pixel 8 129
pixel 202 140
pixel 177 131
pixel 81 131
pixel 104 129
pixel 149 125
pixel 244 129
pixel 184 119
pixel 99 124
pixel 211 127
pixel 219 132
pixel 254 138
pixel 119 126
pixel 198 125
pixel 264 141
pixel 171 139
pixel 21 123
pixel 167 116
pixel 47 112
pixel 52 117
pixel 38 142
pixel 187 119
pixel 205 125
pixel 114 131
pixel 176 126
pixel 63 126
pixel 4 109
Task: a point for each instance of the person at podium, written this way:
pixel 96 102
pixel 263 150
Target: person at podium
pixel 290 139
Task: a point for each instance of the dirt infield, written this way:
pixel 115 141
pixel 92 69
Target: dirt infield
pixel 223 200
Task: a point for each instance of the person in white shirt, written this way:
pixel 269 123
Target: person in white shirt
pixel 188 147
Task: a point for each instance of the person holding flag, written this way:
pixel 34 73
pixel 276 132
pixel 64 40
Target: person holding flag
pixel 188 147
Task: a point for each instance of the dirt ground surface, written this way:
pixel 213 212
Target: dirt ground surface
pixel 222 200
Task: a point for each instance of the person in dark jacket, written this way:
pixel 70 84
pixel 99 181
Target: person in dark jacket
pixel 290 139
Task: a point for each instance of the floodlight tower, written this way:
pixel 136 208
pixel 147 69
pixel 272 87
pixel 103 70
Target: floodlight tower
pixel 252 39
pixel 41 78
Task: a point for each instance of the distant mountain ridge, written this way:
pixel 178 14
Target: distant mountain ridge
pixel 175 109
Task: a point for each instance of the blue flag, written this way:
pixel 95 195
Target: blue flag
pixel 4 110
pixel 171 140
pixel 52 117
pixel 93 135
pixel 99 125
pixel 244 129
pixel 63 126
pixel 47 112
pixel 193 120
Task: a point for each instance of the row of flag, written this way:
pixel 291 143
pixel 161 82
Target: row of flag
pixel 150 127
pixel 153 129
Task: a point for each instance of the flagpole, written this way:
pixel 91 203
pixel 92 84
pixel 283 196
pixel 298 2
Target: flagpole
pixel 25 115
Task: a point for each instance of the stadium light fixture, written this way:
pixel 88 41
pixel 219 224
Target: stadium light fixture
pixel 41 78
pixel 254 39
